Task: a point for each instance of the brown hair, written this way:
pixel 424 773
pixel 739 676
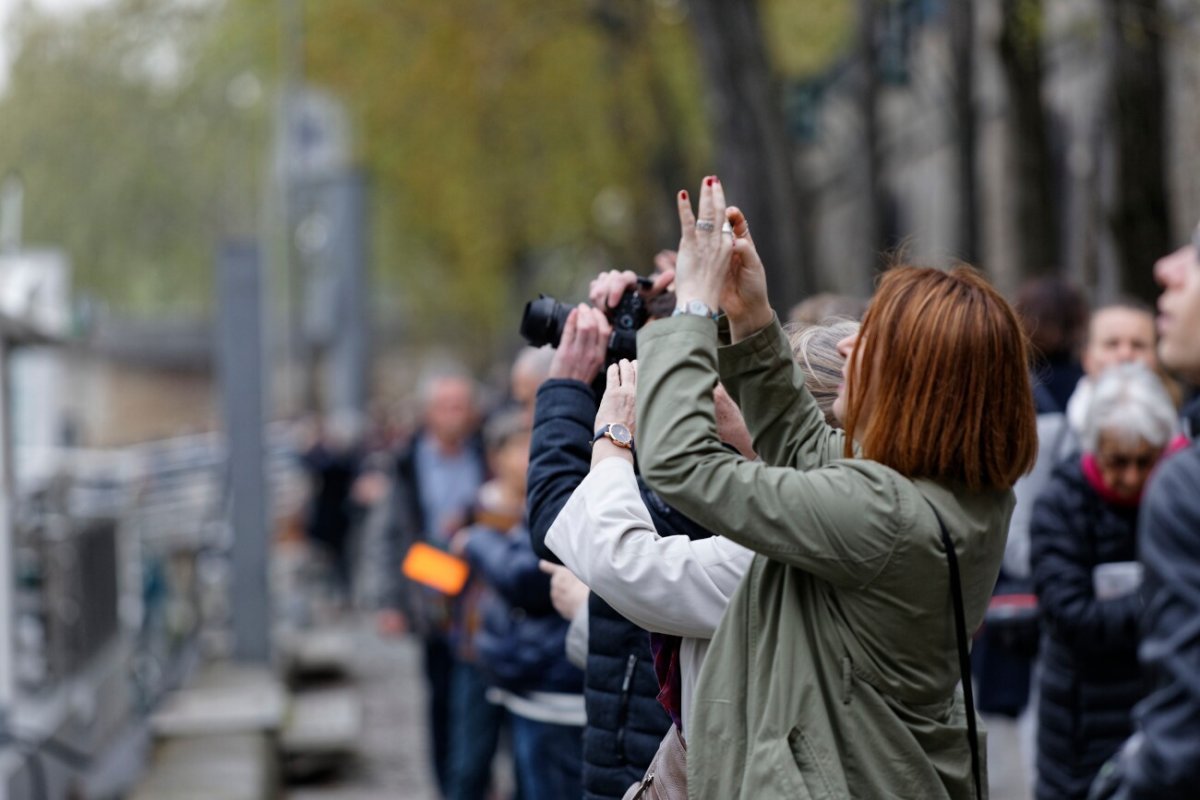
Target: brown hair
pixel 941 361
pixel 1054 315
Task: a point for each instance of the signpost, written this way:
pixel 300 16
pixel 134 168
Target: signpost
pixel 240 360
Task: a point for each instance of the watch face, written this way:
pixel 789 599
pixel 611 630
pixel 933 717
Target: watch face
pixel 620 434
pixel 698 308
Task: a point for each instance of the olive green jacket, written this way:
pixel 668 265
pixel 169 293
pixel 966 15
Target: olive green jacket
pixel 834 672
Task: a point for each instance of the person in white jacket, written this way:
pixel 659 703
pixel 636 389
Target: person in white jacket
pixel 671 585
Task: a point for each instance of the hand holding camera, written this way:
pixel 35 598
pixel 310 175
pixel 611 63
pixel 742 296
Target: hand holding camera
pixel 582 346
pixel 624 302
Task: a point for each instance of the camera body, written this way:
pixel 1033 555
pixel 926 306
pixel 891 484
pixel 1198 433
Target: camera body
pixel 544 319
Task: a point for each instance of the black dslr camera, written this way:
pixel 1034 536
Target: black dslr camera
pixel 544 319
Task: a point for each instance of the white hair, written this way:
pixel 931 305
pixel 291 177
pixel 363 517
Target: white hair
pixel 432 376
pixel 1131 403
pixel 534 359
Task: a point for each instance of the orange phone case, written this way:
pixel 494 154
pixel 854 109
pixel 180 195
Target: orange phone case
pixel 435 568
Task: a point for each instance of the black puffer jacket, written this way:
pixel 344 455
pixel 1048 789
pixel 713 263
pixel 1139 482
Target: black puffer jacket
pixel 625 721
pixel 522 643
pixel 1163 763
pixel 1090 675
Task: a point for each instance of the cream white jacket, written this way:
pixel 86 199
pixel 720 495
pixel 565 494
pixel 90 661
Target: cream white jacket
pixel 665 584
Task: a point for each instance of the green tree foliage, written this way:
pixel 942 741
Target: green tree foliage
pixel 506 137
pixel 138 133
pixel 804 36
pixel 512 145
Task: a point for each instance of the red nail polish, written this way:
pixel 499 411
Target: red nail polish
pixel 683 195
pixel 708 181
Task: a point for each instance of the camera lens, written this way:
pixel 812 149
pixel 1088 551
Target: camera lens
pixel 543 321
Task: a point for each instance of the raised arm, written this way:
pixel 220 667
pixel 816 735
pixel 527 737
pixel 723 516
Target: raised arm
pixel 840 522
pixel 717 264
pixel 560 448
pixel 672 585
pixel 559 453
pixel 789 429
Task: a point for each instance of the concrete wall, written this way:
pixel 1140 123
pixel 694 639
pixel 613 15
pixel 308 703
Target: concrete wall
pixel 117 403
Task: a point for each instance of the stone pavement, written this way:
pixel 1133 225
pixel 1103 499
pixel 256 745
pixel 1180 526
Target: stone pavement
pixel 1009 773
pixel 393 761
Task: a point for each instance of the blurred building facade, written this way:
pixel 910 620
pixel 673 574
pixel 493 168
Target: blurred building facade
pixel 918 148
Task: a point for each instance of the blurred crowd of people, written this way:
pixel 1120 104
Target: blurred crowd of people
pixel 747 564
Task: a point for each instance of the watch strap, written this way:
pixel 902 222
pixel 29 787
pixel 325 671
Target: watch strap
pixel 603 433
pixel 695 308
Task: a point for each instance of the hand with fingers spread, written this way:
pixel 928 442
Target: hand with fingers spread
pixel 717 264
pixel 583 346
pixel 705 249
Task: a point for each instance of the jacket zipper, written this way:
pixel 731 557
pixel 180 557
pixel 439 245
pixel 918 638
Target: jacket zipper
pixel 623 706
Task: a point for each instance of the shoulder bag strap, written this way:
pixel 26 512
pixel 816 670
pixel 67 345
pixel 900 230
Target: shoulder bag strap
pixel 964 656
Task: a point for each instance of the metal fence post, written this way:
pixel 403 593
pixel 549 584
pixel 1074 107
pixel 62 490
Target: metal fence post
pixel 240 358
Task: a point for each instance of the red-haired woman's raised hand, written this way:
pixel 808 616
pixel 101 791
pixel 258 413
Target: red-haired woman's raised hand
pixel 744 297
pixel 702 265
pixel 718 264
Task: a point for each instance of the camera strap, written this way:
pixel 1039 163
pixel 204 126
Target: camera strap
pixel 964 656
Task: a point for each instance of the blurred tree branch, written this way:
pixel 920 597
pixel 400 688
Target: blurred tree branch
pixel 1137 209
pixel 754 154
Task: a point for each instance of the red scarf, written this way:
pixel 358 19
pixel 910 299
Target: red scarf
pixel 1091 471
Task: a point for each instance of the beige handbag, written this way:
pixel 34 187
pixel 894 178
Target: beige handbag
pixel 666 777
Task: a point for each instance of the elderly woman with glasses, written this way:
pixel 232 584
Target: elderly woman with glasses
pixel 1083 551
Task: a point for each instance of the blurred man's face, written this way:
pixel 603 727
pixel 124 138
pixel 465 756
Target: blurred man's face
pixel 450 415
pixel 1179 311
pixel 1119 336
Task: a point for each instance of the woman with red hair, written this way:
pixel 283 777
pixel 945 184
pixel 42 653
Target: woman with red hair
pixel 834 671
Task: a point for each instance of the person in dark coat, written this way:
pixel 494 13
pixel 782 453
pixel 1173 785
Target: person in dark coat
pixel 438 476
pixel 520 643
pixel 1083 541
pixel 332 464
pixel 1055 315
pixel 1162 760
pixel 625 722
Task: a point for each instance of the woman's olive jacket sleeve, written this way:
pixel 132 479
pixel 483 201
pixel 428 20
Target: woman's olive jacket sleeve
pixel 801 504
pixel 833 671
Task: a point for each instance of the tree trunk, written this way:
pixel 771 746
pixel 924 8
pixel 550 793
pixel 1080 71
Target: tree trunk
pixel 754 156
pixel 876 222
pixel 1034 209
pixel 1138 210
pixel 961 20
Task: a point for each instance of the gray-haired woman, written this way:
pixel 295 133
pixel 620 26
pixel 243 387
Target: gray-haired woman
pixel 1083 541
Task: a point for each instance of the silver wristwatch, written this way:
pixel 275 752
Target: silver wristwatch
pixel 695 308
